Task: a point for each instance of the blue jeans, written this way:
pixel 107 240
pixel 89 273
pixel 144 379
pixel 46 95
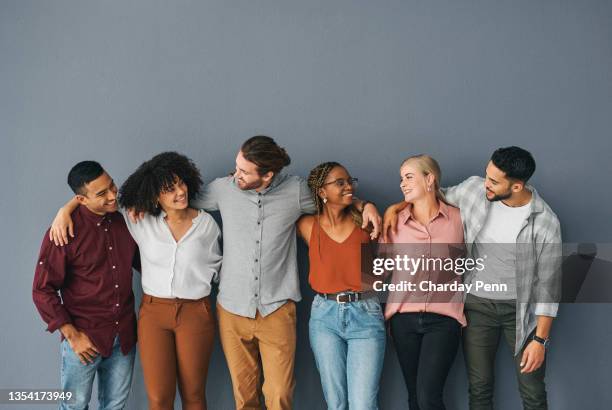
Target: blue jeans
pixel 114 378
pixel 348 342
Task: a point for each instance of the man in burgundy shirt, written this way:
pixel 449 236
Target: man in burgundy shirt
pixel 93 275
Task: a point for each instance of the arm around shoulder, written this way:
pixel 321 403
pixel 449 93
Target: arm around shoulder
pixel 208 198
pixel 455 194
pixel 62 225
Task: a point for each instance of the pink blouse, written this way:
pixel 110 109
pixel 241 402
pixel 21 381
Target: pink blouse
pixel 435 240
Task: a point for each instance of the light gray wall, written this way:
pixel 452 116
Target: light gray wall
pixel 362 82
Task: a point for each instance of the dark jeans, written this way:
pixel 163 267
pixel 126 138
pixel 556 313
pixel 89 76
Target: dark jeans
pixel 487 321
pixel 426 346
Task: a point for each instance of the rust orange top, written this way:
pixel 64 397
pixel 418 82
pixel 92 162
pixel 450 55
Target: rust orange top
pixel 335 266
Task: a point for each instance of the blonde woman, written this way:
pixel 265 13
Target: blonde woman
pixel 425 327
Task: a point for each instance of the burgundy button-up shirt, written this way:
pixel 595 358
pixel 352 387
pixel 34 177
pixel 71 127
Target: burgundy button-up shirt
pixel 93 276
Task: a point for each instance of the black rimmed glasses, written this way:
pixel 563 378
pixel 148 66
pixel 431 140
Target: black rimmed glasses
pixel 341 182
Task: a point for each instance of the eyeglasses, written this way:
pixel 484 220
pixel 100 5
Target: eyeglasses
pixel 341 182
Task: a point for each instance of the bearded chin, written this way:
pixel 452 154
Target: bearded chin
pixel 501 197
pixel 252 185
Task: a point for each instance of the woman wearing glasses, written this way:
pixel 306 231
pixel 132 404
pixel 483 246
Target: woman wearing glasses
pixel 346 327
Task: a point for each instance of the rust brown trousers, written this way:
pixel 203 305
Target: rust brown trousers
pixel 175 340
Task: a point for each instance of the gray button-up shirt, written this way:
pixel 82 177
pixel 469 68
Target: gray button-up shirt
pixel 259 270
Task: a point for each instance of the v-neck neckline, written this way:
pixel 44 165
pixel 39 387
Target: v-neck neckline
pixel 335 241
pixel 194 222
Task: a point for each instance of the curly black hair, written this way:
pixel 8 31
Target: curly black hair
pixel 141 190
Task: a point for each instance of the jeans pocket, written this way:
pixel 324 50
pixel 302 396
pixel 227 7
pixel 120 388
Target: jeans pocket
pixel 63 355
pixel 372 306
pixel 318 306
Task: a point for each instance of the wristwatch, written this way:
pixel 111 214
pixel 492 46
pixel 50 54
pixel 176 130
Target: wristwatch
pixel 543 342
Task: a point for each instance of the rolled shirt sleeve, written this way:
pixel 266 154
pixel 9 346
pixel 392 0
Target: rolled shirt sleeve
pixel 49 277
pixel 548 272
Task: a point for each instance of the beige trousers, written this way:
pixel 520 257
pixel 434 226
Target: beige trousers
pixel 260 345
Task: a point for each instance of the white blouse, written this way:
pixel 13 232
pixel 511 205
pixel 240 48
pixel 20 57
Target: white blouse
pixel 182 269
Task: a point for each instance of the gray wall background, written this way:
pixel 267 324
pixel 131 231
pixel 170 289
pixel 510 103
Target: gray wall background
pixel 362 82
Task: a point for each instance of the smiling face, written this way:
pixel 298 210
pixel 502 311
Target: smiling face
pixel 413 183
pixel 99 195
pixel 337 187
pixel 175 197
pixel 247 176
pixel 498 186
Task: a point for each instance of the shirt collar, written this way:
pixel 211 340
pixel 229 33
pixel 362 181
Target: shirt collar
pixel 90 216
pixel 406 213
pixel 163 214
pixel 537 205
pixel 277 179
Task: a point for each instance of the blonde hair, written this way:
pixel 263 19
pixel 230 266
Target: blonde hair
pixel 427 166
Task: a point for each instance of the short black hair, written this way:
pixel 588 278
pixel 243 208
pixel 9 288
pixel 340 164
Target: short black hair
pixel 516 162
pixel 141 190
pixel 83 173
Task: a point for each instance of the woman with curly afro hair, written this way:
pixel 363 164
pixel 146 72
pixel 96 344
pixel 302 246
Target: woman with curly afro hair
pixel 180 257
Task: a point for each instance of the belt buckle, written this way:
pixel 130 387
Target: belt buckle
pixel 338 298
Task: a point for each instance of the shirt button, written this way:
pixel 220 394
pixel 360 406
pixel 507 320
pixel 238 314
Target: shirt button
pixel 256 260
pixel 258 222
pixel 110 248
pixel 98 224
pixel 116 286
pixel 40 263
pixel 255 242
pixel 105 230
pixel 256 295
pixel 256 278
pixel 114 266
pixel 117 305
pixel 116 323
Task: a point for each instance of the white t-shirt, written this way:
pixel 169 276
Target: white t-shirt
pixel 496 241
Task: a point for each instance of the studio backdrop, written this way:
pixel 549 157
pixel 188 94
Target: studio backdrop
pixel 365 83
